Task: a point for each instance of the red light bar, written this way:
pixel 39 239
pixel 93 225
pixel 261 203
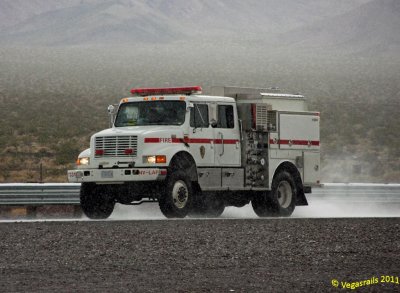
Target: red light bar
pixel 167 91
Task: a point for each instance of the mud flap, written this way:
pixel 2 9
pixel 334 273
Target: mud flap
pixel 301 199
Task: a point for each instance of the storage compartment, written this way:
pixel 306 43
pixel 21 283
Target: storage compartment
pixel 299 131
pixel 209 177
pixel 232 177
pixel 312 168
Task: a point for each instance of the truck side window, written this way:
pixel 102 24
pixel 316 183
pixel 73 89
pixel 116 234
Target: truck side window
pixel 199 116
pixel 225 116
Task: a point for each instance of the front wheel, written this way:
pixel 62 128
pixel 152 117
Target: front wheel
pixel 280 201
pixel 176 201
pixel 96 201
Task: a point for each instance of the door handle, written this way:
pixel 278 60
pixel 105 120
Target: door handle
pixel 229 174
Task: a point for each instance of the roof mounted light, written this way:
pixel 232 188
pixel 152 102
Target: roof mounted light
pixel 167 91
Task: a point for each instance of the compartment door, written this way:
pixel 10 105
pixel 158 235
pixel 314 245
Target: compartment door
pixel 311 168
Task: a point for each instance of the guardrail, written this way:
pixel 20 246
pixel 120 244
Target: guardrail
pixel 39 194
pixel 68 193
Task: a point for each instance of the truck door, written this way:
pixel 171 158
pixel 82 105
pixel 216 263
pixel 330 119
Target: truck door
pixel 227 136
pixel 201 136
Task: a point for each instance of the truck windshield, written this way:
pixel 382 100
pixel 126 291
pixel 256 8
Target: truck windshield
pixel 151 113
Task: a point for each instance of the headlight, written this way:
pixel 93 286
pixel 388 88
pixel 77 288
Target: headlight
pixel 154 159
pixel 83 161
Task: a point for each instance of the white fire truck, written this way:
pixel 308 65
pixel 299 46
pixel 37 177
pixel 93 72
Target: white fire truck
pixel 196 154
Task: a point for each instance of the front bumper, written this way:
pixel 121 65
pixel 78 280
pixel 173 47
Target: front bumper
pixel 116 175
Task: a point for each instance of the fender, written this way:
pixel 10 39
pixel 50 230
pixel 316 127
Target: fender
pixel 292 169
pixel 184 161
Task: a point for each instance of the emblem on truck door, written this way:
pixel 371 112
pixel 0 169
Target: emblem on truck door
pixel 202 151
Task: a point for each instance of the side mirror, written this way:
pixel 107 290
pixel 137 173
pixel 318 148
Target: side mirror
pixel 189 106
pixel 111 113
pixel 213 114
pixel 111 109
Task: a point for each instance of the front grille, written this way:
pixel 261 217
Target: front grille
pixel 115 146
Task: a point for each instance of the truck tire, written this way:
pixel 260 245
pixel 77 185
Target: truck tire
pixel 209 206
pixel 96 202
pixel 176 201
pixel 280 201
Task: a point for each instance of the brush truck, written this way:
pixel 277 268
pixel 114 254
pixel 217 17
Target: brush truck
pixel 197 154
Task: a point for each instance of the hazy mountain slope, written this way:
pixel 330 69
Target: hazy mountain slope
pixel 13 12
pixel 130 21
pixel 88 23
pixel 372 28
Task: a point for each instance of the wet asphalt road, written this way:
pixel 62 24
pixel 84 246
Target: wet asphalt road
pixel 225 255
pixel 347 236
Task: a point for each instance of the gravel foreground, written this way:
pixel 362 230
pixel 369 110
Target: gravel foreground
pixel 258 255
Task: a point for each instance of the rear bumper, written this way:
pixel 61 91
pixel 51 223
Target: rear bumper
pixel 116 175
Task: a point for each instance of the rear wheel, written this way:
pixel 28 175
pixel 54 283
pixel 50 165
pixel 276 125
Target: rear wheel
pixel 97 201
pixel 177 199
pixel 280 201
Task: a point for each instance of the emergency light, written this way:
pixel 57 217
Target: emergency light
pixel 167 91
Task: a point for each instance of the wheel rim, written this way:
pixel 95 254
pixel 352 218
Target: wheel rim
pixel 285 194
pixel 180 194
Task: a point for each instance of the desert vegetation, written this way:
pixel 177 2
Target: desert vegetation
pixel 53 99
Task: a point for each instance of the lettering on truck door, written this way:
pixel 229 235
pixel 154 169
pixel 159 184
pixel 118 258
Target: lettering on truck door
pixel 226 136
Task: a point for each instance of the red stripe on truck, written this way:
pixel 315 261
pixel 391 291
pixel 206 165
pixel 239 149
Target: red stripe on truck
pixel 189 140
pixel 294 142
